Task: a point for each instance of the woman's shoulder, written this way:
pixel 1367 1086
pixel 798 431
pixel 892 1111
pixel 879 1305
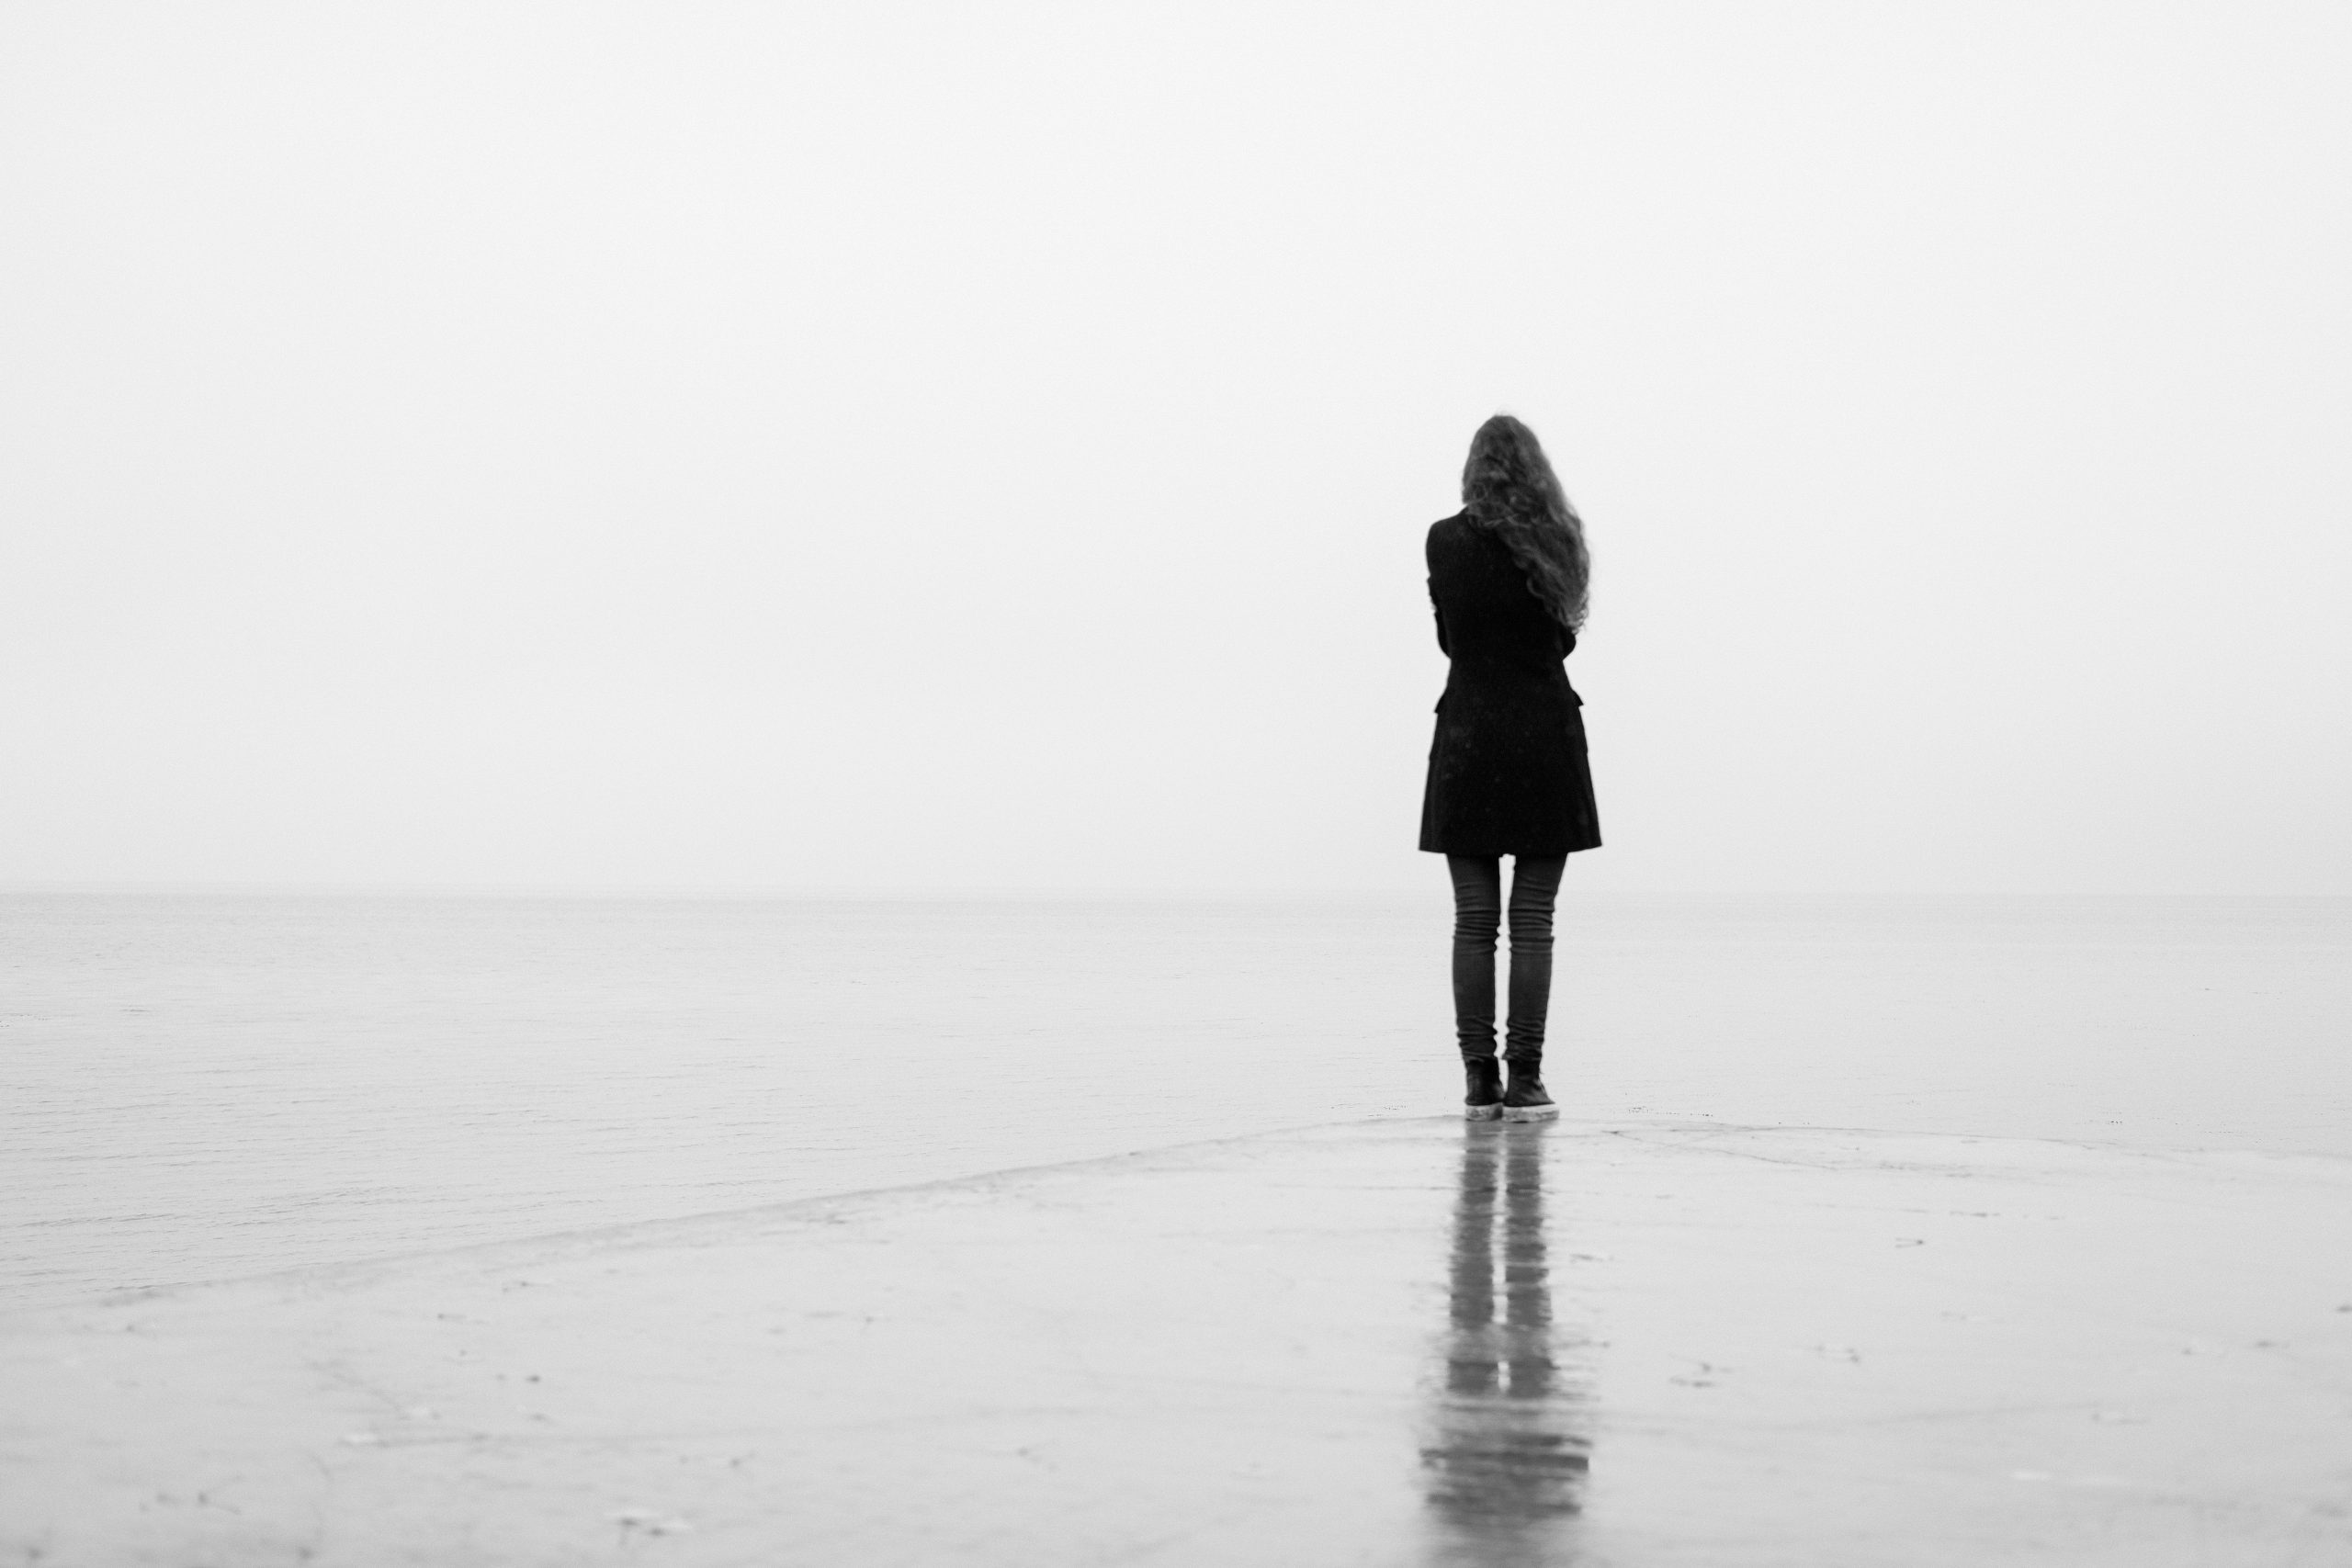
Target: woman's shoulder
pixel 1448 531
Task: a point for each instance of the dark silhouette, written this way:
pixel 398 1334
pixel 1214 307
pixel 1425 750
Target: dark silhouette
pixel 1507 772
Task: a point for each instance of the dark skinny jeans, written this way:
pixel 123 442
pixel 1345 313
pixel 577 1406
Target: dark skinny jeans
pixel 1478 917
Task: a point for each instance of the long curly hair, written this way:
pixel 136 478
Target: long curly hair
pixel 1509 490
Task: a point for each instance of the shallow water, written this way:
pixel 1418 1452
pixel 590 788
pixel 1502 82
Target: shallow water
pixel 198 1086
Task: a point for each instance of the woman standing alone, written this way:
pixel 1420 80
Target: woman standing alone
pixel 1508 774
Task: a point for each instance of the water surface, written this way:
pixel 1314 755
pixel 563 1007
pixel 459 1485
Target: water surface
pixel 198 1086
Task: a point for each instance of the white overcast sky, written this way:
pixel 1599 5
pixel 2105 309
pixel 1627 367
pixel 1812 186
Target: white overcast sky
pixel 901 446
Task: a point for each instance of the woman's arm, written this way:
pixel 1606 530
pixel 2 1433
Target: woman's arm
pixel 1438 611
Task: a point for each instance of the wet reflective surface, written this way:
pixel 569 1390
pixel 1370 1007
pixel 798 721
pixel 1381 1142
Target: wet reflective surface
pixel 1509 1449
pixel 201 1086
pixel 1396 1345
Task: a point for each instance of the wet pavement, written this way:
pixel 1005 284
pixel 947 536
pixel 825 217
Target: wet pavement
pixel 1410 1342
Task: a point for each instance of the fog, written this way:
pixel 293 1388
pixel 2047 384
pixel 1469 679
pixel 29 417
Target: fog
pixel 906 447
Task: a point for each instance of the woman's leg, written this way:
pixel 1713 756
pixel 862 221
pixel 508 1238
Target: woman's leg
pixel 1534 885
pixel 1477 915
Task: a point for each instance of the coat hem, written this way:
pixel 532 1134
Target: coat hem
pixel 1575 850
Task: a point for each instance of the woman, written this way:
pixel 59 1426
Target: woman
pixel 1506 772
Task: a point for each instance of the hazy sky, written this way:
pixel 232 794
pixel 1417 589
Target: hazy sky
pixel 897 446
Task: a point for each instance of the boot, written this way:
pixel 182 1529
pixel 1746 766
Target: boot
pixel 1525 1100
pixel 1485 1100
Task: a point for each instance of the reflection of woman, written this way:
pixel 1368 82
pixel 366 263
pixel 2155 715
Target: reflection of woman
pixel 1506 772
pixel 1509 1452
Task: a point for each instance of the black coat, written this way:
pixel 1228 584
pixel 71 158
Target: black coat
pixel 1507 775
